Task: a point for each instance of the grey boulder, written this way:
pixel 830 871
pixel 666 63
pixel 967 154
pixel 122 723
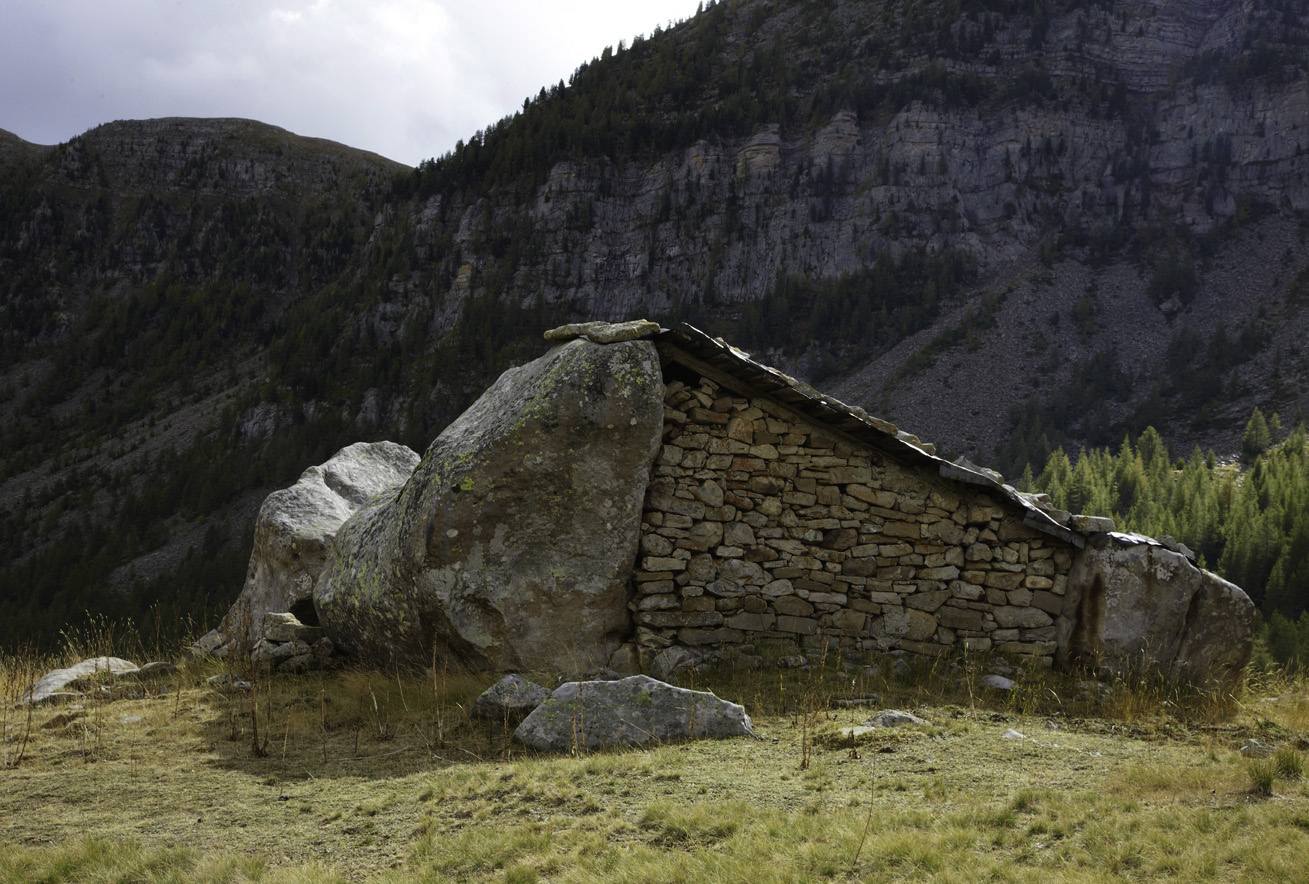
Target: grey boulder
pixel 512 545
pixel 296 526
pixel 283 626
pixel 511 699
pixel 893 718
pixel 630 712
pixel 50 687
pixel 1133 605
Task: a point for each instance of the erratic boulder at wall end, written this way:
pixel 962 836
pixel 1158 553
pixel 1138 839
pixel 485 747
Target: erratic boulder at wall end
pixel 1134 605
pixel 512 544
pixel 296 526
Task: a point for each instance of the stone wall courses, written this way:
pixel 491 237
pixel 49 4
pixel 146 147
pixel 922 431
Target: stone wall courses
pixel 761 529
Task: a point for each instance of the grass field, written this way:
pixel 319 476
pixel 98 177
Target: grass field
pixel 357 775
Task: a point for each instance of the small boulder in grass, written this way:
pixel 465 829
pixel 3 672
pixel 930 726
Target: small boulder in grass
pixel 50 687
pixel 511 699
pixel 1253 748
pixel 227 684
pixel 633 711
pixel 893 718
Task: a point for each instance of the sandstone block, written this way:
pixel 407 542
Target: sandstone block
pixel 676 619
pixel 752 622
pixel 797 625
pixel 852 621
pixel 927 601
pixel 959 618
pixel 1048 602
pixel 1010 617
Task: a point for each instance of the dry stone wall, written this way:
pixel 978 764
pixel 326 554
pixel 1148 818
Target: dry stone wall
pixel 764 535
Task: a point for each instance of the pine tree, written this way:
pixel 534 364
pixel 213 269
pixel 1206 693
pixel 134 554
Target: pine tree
pixel 1256 439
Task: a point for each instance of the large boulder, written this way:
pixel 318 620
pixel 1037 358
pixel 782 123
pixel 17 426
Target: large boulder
pixel 1133 605
pixel 629 712
pixel 296 526
pixel 512 545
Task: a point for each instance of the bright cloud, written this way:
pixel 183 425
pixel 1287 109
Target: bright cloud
pixel 403 78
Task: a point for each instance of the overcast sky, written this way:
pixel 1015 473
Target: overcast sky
pixel 403 78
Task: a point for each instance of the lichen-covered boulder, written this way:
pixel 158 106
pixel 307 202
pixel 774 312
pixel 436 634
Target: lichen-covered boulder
pixel 512 544
pixel 296 526
pixel 510 699
pixel 629 712
pixel 1135 605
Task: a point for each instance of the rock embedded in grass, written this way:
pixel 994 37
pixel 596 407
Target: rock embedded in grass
pixel 227 684
pixel 150 671
pixel 50 687
pixel 1253 748
pixel 512 699
pixel 631 712
pixel 893 718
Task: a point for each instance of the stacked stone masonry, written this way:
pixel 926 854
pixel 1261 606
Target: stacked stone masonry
pixel 763 534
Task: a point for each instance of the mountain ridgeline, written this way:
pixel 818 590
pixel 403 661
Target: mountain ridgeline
pixel 1010 227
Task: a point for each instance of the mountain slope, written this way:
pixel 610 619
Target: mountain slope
pixel 822 180
pixel 1006 226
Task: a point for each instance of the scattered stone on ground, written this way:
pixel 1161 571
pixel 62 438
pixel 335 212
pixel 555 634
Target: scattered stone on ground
pixel 893 718
pixel 631 712
pixel 626 660
pixel 1012 734
pixel 49 688
pixel 227 683
pixel 998 683
pixel 63 719
pixel 1253 748
pixel 148 672
pixel 1093 690
pixel 510 699
pixel 212 644
pixel 670 662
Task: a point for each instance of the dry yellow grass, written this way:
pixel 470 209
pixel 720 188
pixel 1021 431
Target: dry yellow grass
pixel 376 776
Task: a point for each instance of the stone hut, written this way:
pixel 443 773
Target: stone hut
pixel 654 498
pixel 780 521
pixel 779 517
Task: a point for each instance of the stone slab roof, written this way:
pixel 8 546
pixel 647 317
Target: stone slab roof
pixel 698 351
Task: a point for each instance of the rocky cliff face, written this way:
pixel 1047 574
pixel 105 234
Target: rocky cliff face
pixel 1090 212
pixel 1145 145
